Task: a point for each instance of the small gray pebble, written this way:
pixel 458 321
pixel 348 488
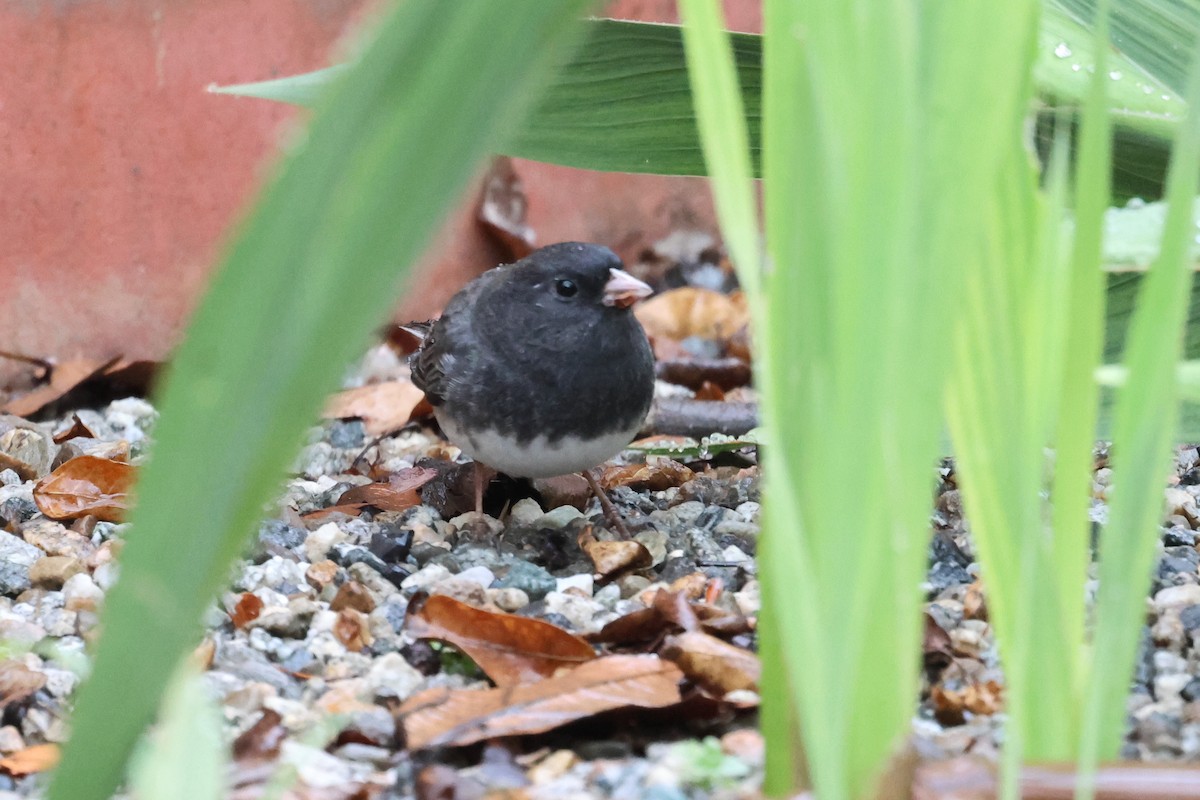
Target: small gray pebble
pixel 529 578
pixel 347 433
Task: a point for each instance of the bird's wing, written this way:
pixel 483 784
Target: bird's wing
pixel 428 364
pixel 442 340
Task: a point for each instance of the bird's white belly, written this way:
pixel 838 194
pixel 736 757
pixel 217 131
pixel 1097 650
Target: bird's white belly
pixel 539 458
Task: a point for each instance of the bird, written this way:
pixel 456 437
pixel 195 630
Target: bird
pixel 539 368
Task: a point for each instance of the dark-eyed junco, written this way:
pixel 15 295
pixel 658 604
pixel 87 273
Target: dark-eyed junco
pixel 539 368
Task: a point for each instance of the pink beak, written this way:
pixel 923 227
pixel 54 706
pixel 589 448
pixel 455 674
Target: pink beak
pixel 623 290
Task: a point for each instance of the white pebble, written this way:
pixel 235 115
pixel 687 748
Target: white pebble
pixel 425 577
pixel 319 542
pixel 583 582
pixel 80 593
pixel 481 575
pixel 525 512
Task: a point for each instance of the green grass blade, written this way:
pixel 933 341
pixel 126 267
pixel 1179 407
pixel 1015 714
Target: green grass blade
pixel 187 757
pixel 312 273
pixel 1143 429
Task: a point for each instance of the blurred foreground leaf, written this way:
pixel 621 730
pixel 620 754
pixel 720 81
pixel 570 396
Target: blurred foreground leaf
pixel 313 271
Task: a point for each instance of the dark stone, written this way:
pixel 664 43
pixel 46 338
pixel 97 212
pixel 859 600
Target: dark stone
pixel 17 510
pixel 1191 692
pixel 1191 477
pixel 675 568
pixel 346 555
pixel 1185 553
pixel 422 657
pixel 945 574
pixel 276 538
pixel 392 544
pixel 710 518
pixel 943 548
pixel 1190 617
pixel 712 492
pixel 347 433
pixel 1179 537
pixel 1143 667
pixel 396 573
pixel 425 553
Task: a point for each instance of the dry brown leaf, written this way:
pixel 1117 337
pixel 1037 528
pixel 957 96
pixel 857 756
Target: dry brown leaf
pixel 383 407
pixel 692 311
pixel 508 648
pixel 441 717
pixel 262 740
pixel 38 758
pixel 63 378
pixel 713 664
pixel 612 559
pixel 248 607
pixel 78 429
pixel 86 485
pixel 656 476
pixel 18 682
pixel 352 594
pixel 349 509
pixel 353 630
pixel 398 493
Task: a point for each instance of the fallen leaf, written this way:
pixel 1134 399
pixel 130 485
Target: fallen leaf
pixel 352 594
pixel 441 717
pixel 612 559
pixel 508 648
pixel 656 476
pixel 352 629
pixel 692 311
pixel 63 378
pixel 248 607
pixel 349 509
pixel 504 206
pixel 724 373
pixel 77 429
pixel 398 493
pixel 716 666
pixel 86 485
pixel 38 758
pixel 383 407
pixel 974 602
pixel 262 740
pixel 18 682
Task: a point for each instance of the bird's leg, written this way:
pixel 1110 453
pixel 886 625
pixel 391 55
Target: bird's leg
pixel 478 488
pixel 610 511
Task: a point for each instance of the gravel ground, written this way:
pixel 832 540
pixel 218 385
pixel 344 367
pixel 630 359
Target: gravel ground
pixel 296 663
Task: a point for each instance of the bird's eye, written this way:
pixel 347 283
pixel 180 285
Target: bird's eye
pixel 565 287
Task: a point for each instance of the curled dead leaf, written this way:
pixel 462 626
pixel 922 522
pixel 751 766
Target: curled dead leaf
pixel 38 758
pixel 18 682
pixel 509 649
pixel 398 493
pixel 717 666
pixel 382 407
pixel 692 311
pixel 441 717
pixel 612 559
pixel 86 485
pixel 656 475
pixel 352 629
pixel 78 429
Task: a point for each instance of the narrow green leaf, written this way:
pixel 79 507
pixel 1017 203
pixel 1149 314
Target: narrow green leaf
pixel 313 272
pixel 1145 419
pixel 186 757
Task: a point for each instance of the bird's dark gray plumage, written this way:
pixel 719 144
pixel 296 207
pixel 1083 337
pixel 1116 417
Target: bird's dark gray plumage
pixel 539 368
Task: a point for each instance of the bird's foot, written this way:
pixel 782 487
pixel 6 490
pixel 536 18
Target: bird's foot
pixel 610 511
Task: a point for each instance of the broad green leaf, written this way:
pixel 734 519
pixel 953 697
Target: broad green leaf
pixel 623 104
pixel 311 273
